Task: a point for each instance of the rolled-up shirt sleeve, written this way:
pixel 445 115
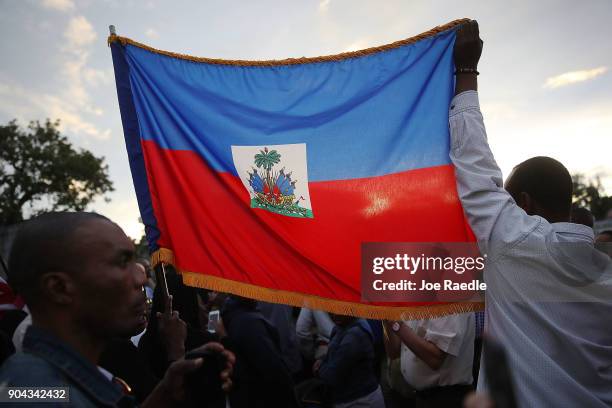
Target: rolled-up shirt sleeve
pixel 495 218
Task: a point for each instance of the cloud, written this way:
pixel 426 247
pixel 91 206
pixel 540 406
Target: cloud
pixel 60 5
pixel 324 6
pixel 152 33
pixel 27 105
pixel 96 77
pixel 74 98
pixel 77 75
pixel 72 103
pixel 573 77
pixel 79 33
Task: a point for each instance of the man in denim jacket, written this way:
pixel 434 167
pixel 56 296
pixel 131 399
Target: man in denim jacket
pixel 78 275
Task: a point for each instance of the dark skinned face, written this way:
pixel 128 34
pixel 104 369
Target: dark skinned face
pixel 108 301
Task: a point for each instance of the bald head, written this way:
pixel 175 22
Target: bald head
pixel 542 186
pixel 44 244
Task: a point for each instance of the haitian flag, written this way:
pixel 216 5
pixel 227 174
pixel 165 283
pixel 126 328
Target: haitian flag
pixel 263 178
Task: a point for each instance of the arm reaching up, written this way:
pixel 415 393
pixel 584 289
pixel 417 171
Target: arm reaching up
pixel 491 211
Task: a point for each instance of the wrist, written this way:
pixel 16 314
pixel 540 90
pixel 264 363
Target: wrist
pixel 397 326
pixel 465 82
pixel 468 69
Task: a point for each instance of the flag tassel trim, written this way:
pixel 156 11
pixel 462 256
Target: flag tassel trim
pixel 294 61
pixel 314 302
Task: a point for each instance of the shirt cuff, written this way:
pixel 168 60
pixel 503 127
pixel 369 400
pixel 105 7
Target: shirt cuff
pixel 464 101
pixel 444 341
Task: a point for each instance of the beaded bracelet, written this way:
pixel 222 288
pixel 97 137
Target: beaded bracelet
pixel 466 71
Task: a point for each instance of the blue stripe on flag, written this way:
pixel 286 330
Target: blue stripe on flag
pixel 361 117
pixel 131 132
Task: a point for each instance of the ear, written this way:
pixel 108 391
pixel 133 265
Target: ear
pixel 525 202
pixel 58 288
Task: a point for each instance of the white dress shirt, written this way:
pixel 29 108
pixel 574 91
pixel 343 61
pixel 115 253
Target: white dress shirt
pixel 549 297
pixel 453 335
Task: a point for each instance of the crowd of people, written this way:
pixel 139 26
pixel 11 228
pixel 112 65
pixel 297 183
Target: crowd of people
pixel 80 311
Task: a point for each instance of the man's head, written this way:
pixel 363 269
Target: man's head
pixel 542 186
pixel 79 268
pixel 581 215
pixel 603 242
pixel 341 320
pixel 604 237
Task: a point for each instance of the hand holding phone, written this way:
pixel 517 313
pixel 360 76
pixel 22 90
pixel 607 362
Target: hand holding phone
pixel 213 321
pixel 205 387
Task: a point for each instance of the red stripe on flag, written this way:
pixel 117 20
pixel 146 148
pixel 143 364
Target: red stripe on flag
pixel 206 219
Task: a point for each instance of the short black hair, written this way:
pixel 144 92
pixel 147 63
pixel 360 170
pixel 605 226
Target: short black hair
pixel 547 182
pixel 41 245
pixel 581 215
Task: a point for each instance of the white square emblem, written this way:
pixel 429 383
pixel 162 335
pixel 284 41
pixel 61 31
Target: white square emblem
pixel 276 177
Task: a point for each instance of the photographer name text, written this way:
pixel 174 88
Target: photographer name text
pixel 447 284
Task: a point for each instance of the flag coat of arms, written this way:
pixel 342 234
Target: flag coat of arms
pixel 263 178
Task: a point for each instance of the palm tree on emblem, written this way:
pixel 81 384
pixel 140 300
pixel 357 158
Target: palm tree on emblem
pixel 274 190
pixel 267 159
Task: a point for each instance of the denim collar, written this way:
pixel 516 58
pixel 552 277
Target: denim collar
pixel 83 373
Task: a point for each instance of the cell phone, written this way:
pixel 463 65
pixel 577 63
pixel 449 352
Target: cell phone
pixel 203 387
pixel 213 319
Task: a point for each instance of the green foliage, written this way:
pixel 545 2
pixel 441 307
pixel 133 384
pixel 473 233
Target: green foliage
pixel 39 167
pixel 590 194
pixel 267 159
pixel 142 248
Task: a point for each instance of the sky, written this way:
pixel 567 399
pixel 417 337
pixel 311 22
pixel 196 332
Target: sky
pixel 545 85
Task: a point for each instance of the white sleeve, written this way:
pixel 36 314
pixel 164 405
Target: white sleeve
pixel 304 324
pixel 449 332
pixel 325 325
pixel 493 215
pixel 304 332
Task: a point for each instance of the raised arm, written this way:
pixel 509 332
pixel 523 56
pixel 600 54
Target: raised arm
pixel 492 213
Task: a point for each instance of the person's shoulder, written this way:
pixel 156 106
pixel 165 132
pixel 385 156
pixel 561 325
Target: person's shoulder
pixel 358 331
pixel 24 369
pixel 249 327
pixel 249 320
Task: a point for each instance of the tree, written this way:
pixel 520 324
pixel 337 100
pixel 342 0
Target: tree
pixel 590 194
pixel 40 168
pixel 267 160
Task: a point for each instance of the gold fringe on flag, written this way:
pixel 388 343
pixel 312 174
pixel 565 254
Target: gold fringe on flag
pixel 294 61
pixel 162 255
pixel 315 302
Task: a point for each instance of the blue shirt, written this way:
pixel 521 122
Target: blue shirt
pixel 348 367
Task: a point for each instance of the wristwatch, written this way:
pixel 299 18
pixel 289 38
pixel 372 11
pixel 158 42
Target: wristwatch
pixel 396 326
